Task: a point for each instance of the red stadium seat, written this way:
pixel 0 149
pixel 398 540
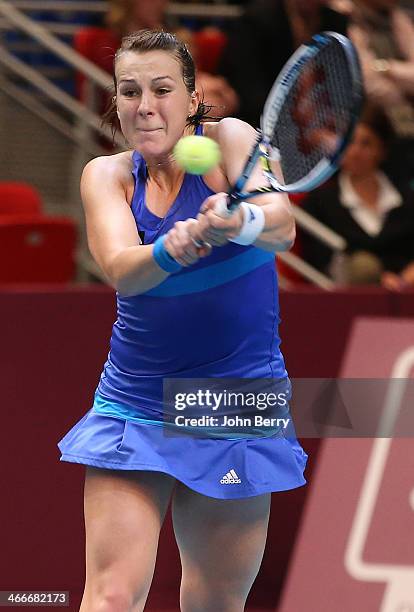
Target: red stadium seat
pixel 210 43
pixel 36 249
pixel 19 199
pixel 98 45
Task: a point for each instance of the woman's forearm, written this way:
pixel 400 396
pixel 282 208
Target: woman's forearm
pixel 134 270
pixel 279 230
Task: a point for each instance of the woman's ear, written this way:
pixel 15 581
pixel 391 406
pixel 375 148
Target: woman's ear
pixel 114 102
pixel 194 102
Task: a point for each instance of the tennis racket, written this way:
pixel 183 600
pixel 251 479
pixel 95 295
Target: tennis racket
pixel 307 121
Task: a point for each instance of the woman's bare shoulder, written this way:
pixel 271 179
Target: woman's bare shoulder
pixel 119 164
pixel 226 129
pixel 109 170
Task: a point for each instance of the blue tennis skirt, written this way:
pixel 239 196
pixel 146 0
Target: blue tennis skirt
pixel 220 468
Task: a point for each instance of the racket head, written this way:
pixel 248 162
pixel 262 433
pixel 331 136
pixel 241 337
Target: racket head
pixel 311 111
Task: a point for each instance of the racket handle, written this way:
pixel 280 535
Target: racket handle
pixel 222 209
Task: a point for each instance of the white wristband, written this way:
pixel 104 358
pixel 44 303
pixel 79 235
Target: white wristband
pixel 253 224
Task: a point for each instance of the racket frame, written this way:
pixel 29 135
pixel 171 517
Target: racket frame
pixel 274 102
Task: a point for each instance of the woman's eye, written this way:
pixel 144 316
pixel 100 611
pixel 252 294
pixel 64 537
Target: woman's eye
pixel 129 93
pixel 163 91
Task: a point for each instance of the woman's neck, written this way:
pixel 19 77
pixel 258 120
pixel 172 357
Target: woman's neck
pixel 367 187
pixel 165 175
pixel 162 187
pixel 165 171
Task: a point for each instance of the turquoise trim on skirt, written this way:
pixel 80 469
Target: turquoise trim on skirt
pixel 220 468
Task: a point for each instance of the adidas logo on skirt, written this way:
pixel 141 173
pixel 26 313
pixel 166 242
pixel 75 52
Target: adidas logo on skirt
pixel 230 478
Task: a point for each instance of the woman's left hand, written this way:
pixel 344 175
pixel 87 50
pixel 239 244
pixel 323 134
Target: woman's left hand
pixel 180 244
pixel 214 229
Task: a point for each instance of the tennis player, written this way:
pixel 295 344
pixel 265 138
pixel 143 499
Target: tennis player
pixel 184 311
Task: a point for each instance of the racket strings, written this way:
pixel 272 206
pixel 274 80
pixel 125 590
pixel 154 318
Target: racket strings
pixel 316 115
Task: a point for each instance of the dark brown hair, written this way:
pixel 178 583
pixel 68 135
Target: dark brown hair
pixel 157 40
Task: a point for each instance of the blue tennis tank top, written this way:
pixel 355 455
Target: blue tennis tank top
pixel 216 318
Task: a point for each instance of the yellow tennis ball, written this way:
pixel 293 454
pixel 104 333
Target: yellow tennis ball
pixel 197 154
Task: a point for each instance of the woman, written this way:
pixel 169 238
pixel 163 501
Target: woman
pixel 262 40
pixel 184 312
pixel 383 34
pixel 363 206
pixel 126 16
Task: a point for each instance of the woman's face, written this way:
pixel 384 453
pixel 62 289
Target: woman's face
pixel 153 102
pixel 365 153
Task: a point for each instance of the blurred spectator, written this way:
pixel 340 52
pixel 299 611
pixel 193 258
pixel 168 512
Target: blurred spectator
pixel 264 38
pixel 126 16
pixel 408 5
pixel 384 37
pixel 214 88
pixel 362 205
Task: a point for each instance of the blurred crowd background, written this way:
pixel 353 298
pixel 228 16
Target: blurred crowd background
pixel 55 64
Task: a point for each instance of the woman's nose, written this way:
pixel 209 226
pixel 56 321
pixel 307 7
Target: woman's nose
pixel 145 105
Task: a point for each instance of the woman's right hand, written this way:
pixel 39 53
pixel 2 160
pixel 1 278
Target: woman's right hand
pixel 182 247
